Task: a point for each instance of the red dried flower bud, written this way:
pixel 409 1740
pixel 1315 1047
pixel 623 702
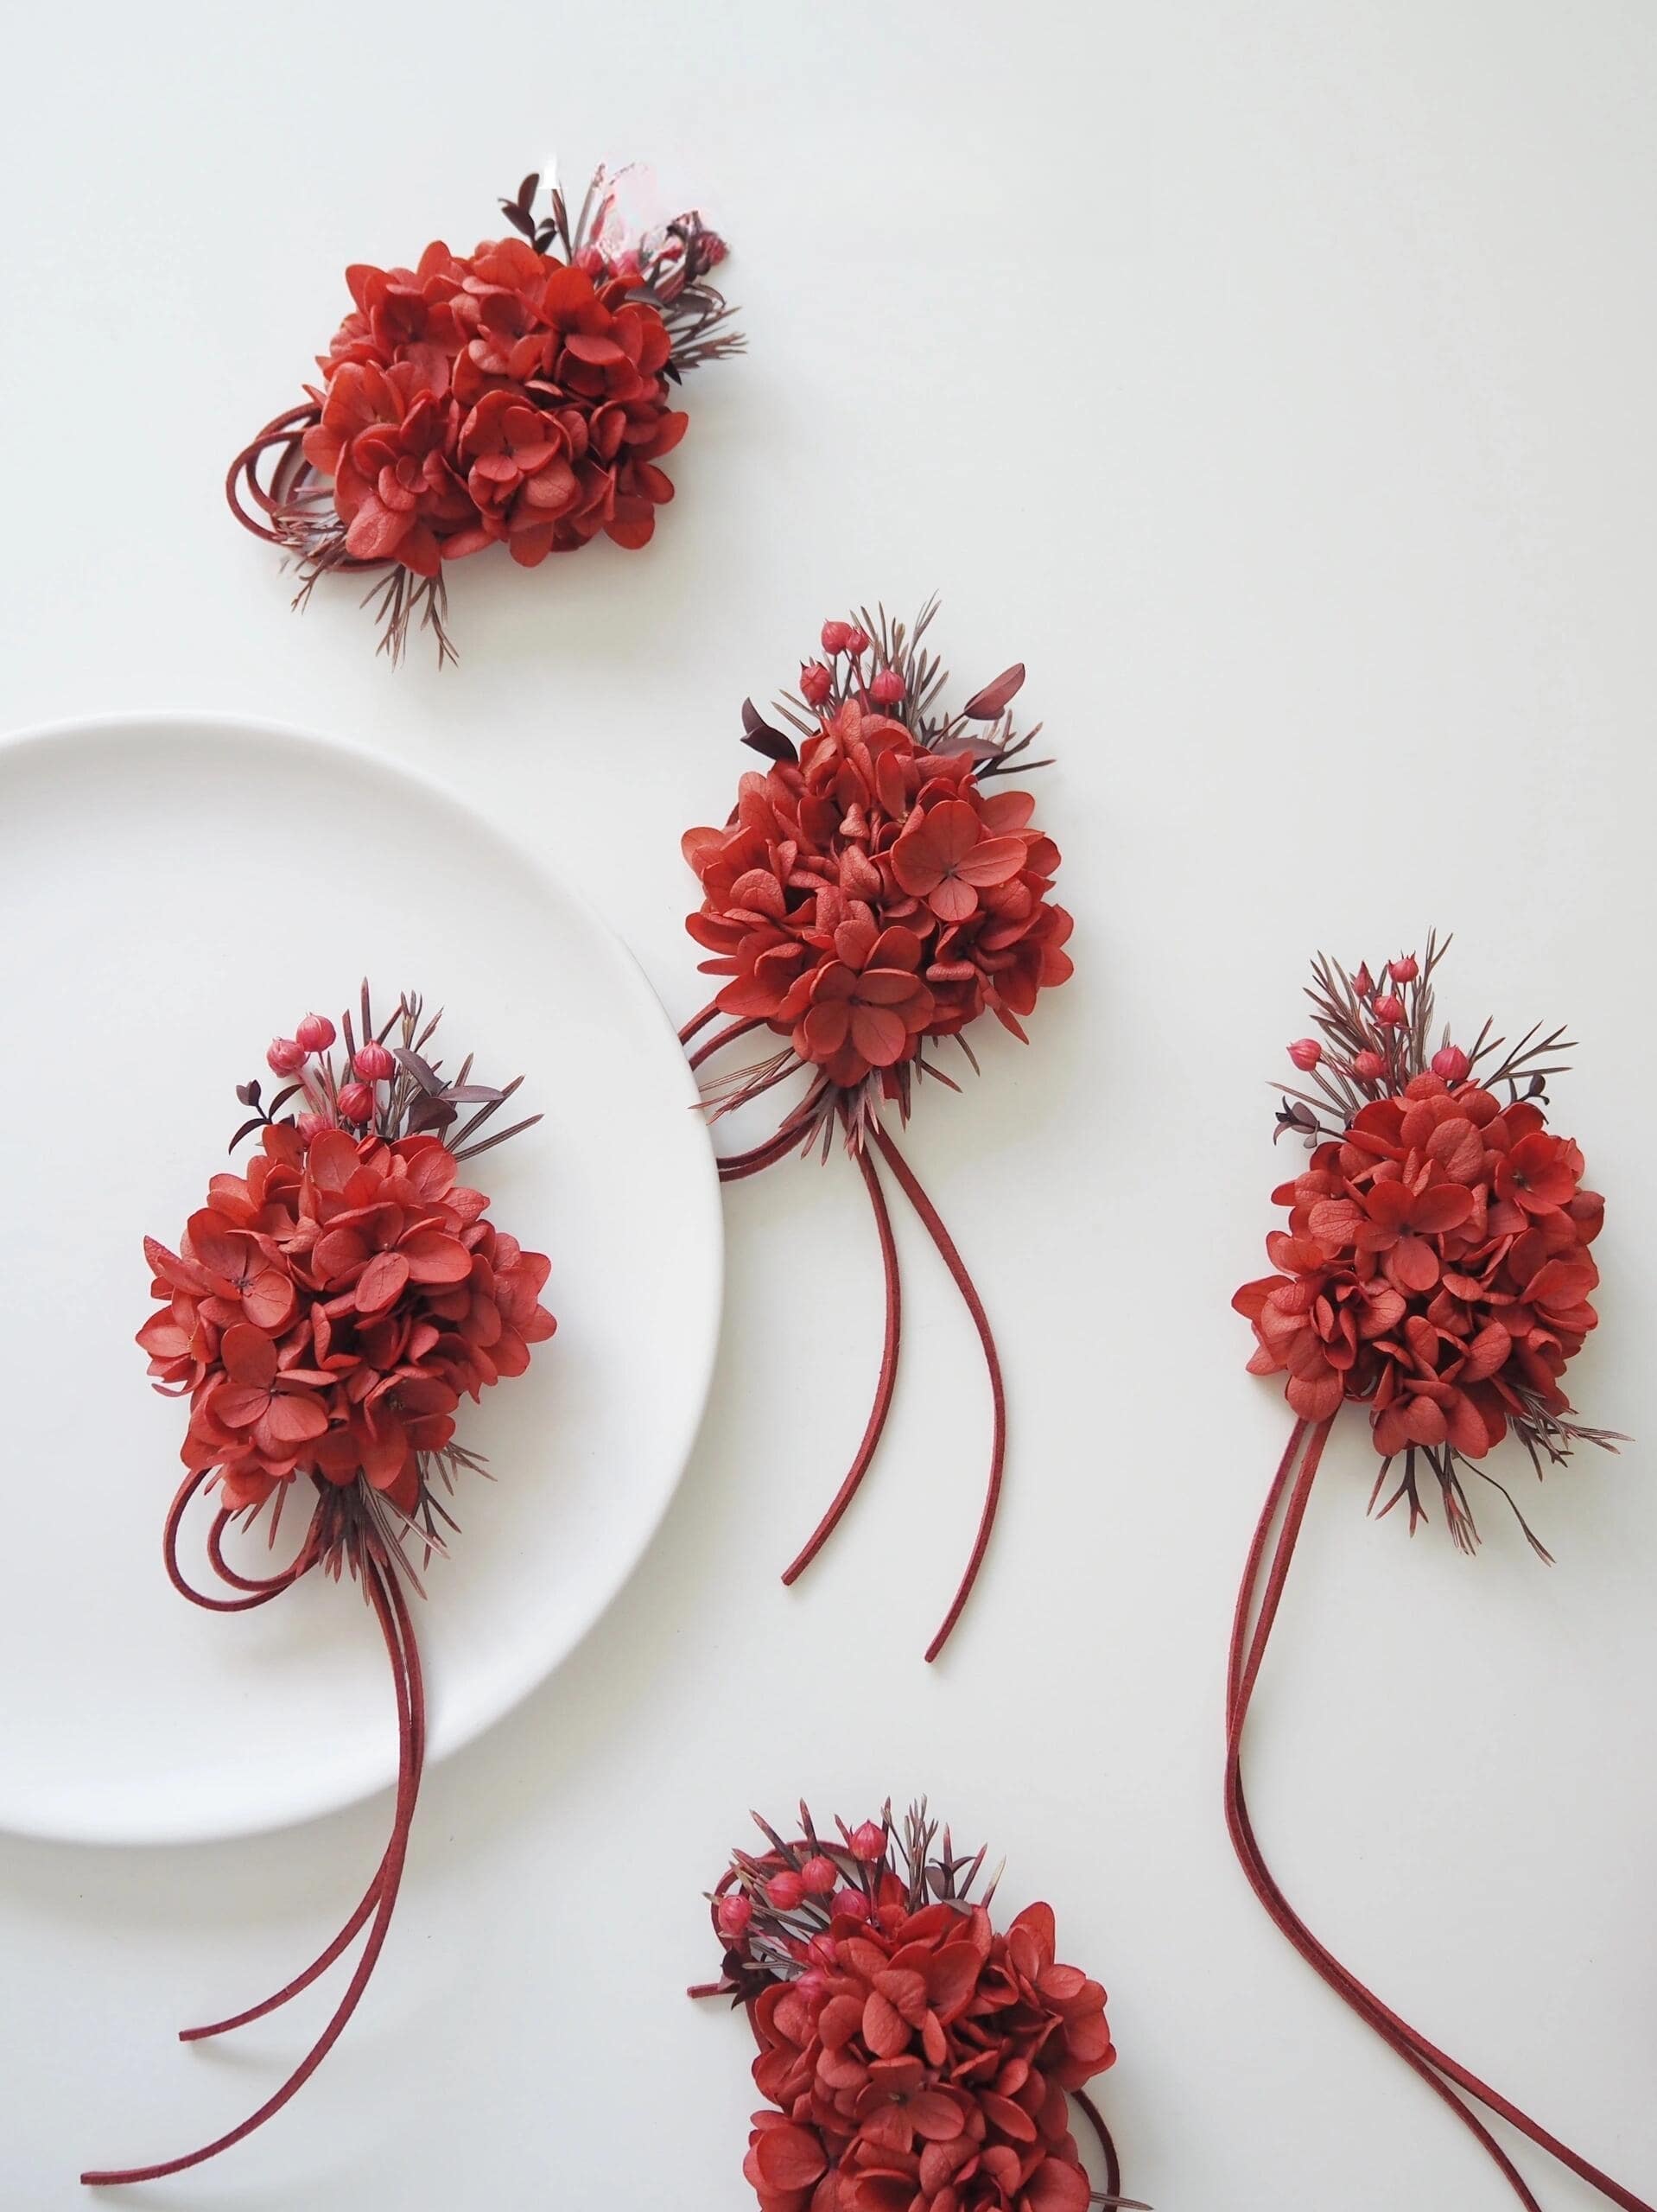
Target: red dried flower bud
pixel 819 1876
pixel 311 1126
pixel 869 1842
pixel 1369 1066
pixel 1405 970
pixel 285 1056
pixel 836 635
pixel 1389 1011
pixel 887 688
pixel 1364 983
pixel 356 1102
pixel 589 261
pixel 1451 1063
pixel 373 1062
pixel 857 642
pixel 815 682
pixel 316 1032
pixel 786 1889
pixel 735 1912
pixel 1305 1052
pixel 851 1905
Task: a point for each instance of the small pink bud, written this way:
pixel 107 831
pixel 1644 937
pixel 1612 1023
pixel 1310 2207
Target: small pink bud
pixel 1405 970
pixel 851 1905
pixel 589 261
pixel 786 1889
pixel 1389 1011
pixel 869 1843
pixel 1364 983
pixel 857 642
pixel 887 688
pixel 356 1104
pixel 836 635
pixel 815 682
pixel 316 1032
pixel 823 1952
pixel 735 1912
pixel 1305 1052
pixel 1369 1067
pixel 820 1876
pixel 1451 1063
pixel 373 1062
pixel 311 1126
pixel 811 1985
pixel 285 1056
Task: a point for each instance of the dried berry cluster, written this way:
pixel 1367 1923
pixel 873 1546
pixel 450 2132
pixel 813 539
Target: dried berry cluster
pixel 1435 1264
pixel 913 2058
pixel 869 893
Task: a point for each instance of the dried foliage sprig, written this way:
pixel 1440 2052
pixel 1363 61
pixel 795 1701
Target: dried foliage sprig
pixel 1436 1271
pixel 911 2054
pixel 868 898
pixel 518 395
pixel 325 1313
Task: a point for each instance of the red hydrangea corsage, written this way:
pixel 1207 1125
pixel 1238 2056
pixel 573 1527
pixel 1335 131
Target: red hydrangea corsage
pixel 1435 1271
pixel 519 395
pixel 325 1314
pixel 912 2057
pixel 873 893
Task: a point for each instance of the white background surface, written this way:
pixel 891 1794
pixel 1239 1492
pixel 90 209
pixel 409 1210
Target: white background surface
pixel 1276 381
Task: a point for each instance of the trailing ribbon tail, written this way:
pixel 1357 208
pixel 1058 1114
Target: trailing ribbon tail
pixel 797 1129
pixel 884 1386
pixel 1247 1653
pixel 347 1934
pixel 392 1611
pixel 940 1235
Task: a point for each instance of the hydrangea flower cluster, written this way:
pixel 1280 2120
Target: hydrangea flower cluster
pixel 326 1312
pixel 1436 1266
pixel 871 892
pixel 518 396
pixel 914 2057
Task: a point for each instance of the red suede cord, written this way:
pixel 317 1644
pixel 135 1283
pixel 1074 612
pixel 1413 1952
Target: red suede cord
pixel 391 1609
pixel 885 1385
pixel 964 1282
pixel 1247 1653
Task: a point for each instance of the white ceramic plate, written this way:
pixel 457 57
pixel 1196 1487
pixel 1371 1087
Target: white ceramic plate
pixel 173 892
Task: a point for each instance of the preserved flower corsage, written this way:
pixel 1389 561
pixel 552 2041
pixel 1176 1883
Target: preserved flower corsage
pixel 1436 1271
pixel 325 1314
pixel 520 395
pixel 912 2057
pixel 873 893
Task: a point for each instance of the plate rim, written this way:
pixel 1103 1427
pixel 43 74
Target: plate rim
pixel 204 722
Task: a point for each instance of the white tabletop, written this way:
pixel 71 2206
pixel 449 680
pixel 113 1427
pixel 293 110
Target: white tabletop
pixel 1274 380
